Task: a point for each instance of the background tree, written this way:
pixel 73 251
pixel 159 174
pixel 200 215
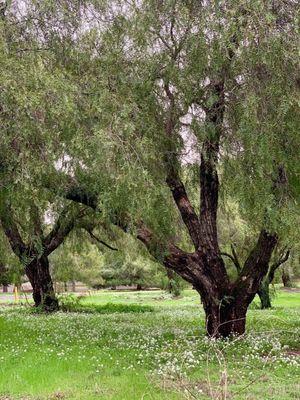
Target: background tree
pixel 264 291
pixel 37 114
pixel 77 260
pixel 291 269
pixel 34 245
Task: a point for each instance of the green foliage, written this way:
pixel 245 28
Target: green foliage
pixel 68 302
pixel 85 103
pixel 91 99
pixel 77 260
pixel 71 303
pixel 173 284
pixel 92 263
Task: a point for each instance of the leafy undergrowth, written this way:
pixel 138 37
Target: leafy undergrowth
pixel 158 355
pixel 71 303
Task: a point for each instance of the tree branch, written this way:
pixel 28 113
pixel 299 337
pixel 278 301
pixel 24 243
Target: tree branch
pixel 185 208
pixel 11 229
pixel 209 181
pixel 71 190
pixel 256 266
pixel 63 226
pixel 237 262
pixel 233 259
pixel 277 264
pixel 96 239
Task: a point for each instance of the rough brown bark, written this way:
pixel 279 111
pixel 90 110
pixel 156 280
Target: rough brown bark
pixel 225 303
pixel 225 320
pixel 43 292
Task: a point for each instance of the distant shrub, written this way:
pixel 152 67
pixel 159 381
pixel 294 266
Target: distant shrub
pixel 116 308
pixel 71 303
pixel 68 302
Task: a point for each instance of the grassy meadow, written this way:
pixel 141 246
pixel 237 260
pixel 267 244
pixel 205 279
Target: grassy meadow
pixel 158 354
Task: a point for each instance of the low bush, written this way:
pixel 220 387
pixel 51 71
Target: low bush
pixel 71 303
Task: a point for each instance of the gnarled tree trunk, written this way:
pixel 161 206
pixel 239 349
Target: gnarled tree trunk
pixel 224 320
pixel 43 292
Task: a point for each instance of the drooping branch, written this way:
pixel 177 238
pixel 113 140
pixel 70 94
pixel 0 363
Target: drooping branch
pixel 70 189
pixel 273 268
pixel 187 265
pixel 223 253
pixel 11 230
pixel 63 226
pixel 170 255
pixel 75 193
pixel 233 257
pixel 97 240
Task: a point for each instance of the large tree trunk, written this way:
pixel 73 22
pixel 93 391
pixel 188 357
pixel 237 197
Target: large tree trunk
pixel 42 285
pixel 225 320
pixel 32 274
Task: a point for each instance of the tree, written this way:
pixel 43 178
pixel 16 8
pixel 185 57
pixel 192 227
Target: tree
pixel 37 112
pixel 127 269
pixel 263 291
pixel 230 72
pixel 33 255
pixel 149 82
pixel 4 278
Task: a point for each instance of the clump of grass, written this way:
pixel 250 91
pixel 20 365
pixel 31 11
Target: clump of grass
pixel 115 308
pixel 71 303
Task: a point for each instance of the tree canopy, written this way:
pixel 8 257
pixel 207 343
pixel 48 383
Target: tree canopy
pixel 161 117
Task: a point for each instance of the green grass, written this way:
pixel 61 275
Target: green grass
pixel 162 354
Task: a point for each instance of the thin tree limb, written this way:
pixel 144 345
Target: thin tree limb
pixel 94 237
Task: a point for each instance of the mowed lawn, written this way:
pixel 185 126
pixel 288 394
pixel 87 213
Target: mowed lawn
pixel 162 354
